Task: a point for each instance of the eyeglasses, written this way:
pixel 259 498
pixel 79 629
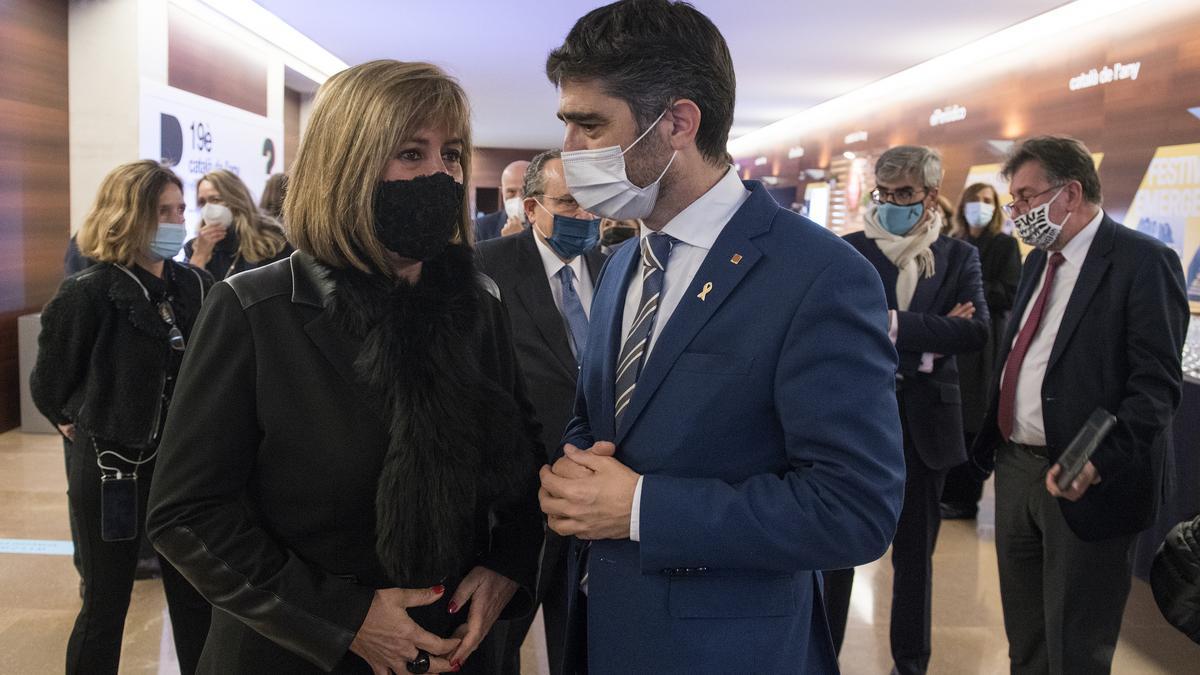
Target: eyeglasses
pixel 567 202
pixel 174 336
pixel 1021 206
pixel 905 196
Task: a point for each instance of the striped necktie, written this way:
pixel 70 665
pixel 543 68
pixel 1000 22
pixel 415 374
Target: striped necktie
pixel 656 249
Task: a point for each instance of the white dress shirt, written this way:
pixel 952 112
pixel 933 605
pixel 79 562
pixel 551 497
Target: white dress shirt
pixel 696 228
pixel 583 280
pixel 1029 425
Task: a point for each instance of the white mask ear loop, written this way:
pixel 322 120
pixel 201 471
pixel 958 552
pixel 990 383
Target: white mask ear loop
pixel 648 130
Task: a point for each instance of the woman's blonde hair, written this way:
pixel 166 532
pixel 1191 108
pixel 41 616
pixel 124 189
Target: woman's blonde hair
pixel 961 228
pixel 260 237
pixel 271 202
pixel 124 217
pixel 359 119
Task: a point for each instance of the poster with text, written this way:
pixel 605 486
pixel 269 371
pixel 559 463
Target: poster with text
pixel 1167 207
pixel 194 135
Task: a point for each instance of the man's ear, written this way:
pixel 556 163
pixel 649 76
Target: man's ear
pixel 684 116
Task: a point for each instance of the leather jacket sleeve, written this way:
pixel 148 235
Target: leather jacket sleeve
pixel 198 512
pixel 1175 578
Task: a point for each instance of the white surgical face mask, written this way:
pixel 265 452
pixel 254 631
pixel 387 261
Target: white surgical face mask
pixel 1035 227
pixel 597 180
pixel 978 214
pixel 514 208
pixel 216 214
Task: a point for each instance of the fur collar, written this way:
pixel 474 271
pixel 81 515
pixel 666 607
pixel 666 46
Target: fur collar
pixel 456 446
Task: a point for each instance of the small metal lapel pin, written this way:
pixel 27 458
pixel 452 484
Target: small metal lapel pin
pixel 707 289
pixel 737 258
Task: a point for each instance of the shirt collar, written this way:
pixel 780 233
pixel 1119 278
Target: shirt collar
pixel 552 262
pixel 1077 249
pixel 701 222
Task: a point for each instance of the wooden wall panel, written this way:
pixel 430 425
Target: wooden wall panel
pixel 34 177
pixel 486 166
pixel 212 67
pixel 1126 121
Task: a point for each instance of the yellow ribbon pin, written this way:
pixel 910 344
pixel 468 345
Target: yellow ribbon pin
pixel 706 291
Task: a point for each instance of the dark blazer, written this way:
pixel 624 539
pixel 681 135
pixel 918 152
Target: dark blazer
pixel 765 424
pixel 1000 261
pixel 1119 347
pixel 489 226
pixel 264 494
pixel 225 261
pixel 539 332
pixel 932 401
pixel 103 352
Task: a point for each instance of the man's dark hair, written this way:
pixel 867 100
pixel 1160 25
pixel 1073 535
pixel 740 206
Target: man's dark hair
pixel 535 173
pixel 1063 159
pixel 651 53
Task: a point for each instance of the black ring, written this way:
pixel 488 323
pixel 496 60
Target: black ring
pixel 419 665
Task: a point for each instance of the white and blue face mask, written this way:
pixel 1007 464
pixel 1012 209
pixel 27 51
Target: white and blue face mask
pixel 167 241
pixel 598 181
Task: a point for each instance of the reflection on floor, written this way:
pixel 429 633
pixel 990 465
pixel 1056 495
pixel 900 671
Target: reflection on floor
pixel 39 593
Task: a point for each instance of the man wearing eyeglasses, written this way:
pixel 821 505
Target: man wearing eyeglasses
pixel 937 309
pixel 546 276
pixel 1098 322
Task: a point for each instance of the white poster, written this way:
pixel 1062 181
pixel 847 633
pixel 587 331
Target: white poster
pixel 194 135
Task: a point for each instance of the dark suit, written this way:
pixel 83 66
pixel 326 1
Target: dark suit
pixel 1000 261
pixel 544 354
pixel 930 409
pixel 266 489
pixel 489 226
pixel 764 423
pixel 1118 347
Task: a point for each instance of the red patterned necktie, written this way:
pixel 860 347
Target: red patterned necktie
pixel 1012 369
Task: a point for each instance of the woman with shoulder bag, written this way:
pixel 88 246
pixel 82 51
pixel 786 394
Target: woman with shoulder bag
pixel 111 344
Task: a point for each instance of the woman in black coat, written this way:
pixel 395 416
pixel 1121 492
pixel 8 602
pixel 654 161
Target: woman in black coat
pixel 978 221
pixel 110 348
pixel 351 473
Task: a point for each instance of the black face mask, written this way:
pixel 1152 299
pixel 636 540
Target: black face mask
pixel 417 218
pixel 617 234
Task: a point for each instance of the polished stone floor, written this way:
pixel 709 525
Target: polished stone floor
pixel 39 593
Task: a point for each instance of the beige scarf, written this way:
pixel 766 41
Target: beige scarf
pixel 910 253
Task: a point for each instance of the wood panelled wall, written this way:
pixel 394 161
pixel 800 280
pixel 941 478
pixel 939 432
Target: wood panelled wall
pixel 1028 94
pixel 291 127
pixel 34 177
pixel 214 67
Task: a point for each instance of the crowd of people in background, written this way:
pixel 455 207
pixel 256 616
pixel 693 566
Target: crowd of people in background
pixel 328 411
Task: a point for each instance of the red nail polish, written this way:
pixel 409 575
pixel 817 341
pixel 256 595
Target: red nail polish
pixel 453 607
pixel 455 666
pixel 439 589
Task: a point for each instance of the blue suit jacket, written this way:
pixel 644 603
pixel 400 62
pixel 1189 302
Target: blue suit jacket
pixel 933 401
pixel 489 226
pixel 765 423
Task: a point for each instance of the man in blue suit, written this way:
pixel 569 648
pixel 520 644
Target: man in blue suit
pixel 735 425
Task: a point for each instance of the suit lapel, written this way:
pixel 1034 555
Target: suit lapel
pixel 886 268
pixel 927 288
pixel 1094 266
pixel 692 313
pixel 534 293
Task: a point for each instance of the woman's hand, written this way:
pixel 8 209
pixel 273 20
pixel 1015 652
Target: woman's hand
pixel 205 242
pixel 67 430
pixel 388 639
pixel 489 593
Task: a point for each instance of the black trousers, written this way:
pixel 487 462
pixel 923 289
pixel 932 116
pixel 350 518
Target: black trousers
pixel 962 488
pixel 552 595
pixel 1063 598
pixel 108 569
pixel 912 567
